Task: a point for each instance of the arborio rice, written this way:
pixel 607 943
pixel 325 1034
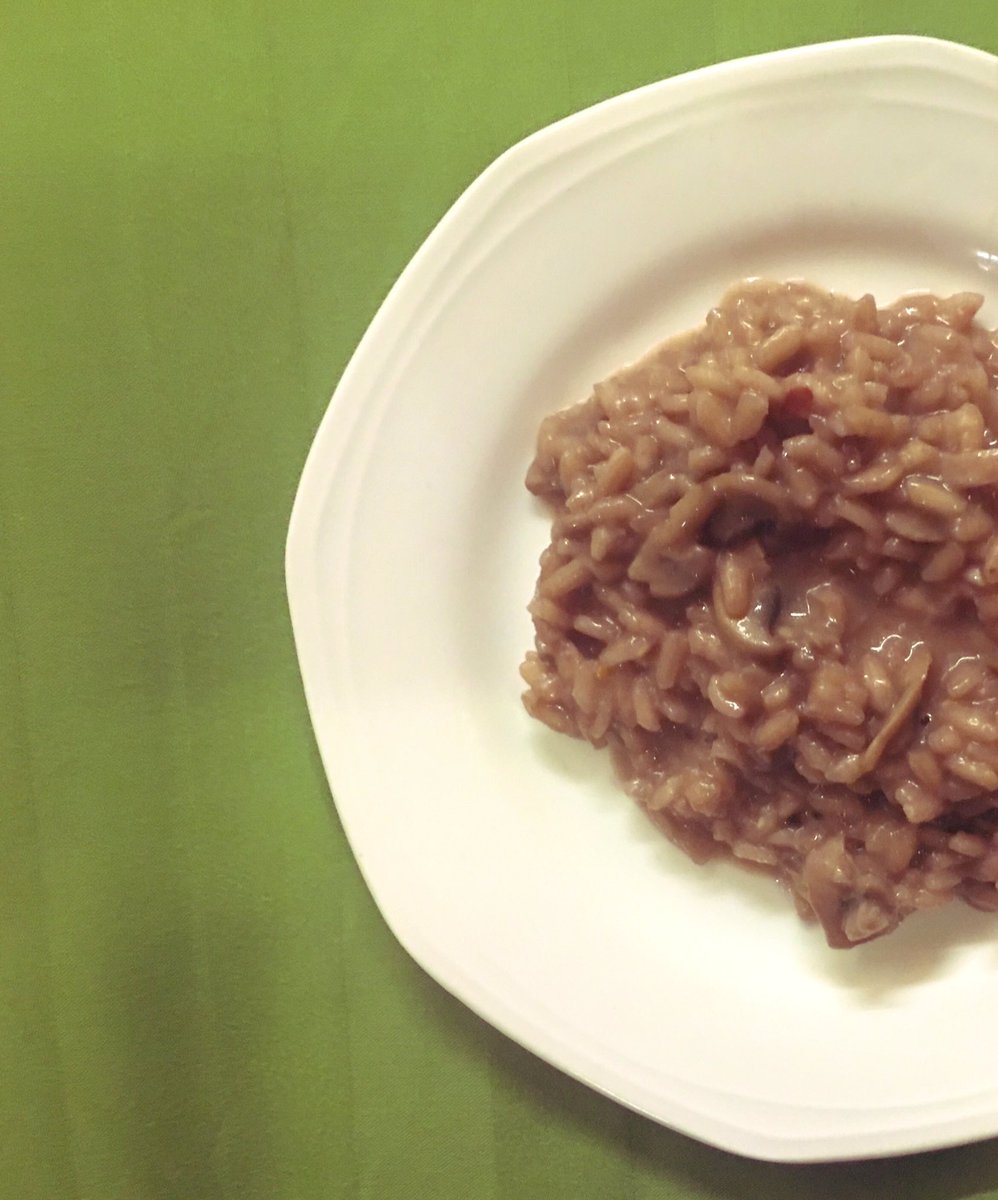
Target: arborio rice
pixel 772 591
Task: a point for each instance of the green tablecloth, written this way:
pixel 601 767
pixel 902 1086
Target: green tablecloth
pixel 201 206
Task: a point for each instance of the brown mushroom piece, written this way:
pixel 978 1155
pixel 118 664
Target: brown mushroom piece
pixel 826 882
pixel 847 909
pixel 671 572
pixel 752 631
pixel 738 518
pixel 853 767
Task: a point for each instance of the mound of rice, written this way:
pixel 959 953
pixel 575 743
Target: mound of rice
pixel 772 591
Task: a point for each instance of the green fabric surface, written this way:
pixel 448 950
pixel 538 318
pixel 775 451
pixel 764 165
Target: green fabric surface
pixel 201 206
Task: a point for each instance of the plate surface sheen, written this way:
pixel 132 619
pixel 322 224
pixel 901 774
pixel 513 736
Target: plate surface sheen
pixel 504 857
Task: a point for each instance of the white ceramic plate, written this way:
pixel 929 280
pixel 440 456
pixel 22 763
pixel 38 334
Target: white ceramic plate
pixel 504 858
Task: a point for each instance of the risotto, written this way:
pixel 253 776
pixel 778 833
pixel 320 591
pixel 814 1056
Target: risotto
pixel 771 591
